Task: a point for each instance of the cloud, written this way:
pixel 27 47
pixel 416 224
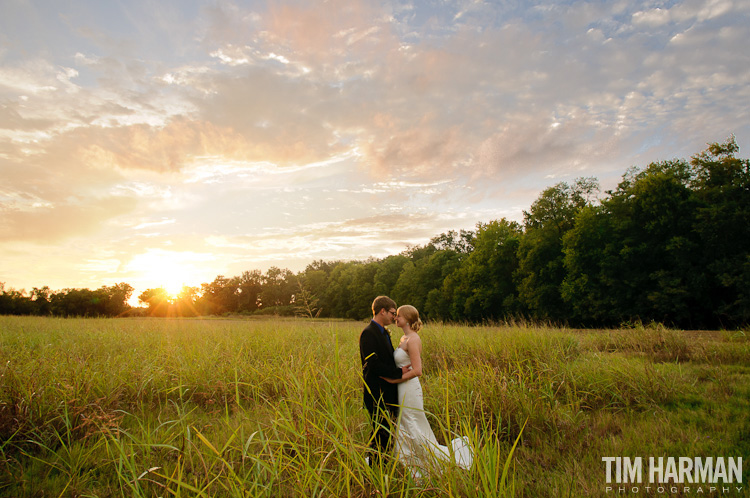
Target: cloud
pixel 347 239
pixel 414 150
pixel 280 120
pixel 326 34
pixel 14 127
pixel 652 18
pixel 37 77
pixel 162 149
pixel 426 107
pixel 48 224
pixel 149 224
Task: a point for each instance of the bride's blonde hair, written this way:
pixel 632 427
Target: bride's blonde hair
pixel 411 315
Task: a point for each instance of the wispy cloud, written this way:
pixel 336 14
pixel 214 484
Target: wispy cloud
pixel 49 224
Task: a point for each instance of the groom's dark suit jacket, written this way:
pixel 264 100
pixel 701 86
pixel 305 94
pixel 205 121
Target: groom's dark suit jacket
pixel 376 351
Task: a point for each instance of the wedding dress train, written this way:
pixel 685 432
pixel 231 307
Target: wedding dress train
pixel 416 446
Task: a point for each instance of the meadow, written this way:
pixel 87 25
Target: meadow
pixel 273 407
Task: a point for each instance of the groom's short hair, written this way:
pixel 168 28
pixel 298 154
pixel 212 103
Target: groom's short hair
pixel 382 302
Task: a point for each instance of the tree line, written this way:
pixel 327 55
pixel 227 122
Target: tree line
pixel 105 301
pixel 670 244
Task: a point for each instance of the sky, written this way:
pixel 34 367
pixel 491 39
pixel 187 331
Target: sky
pixel 166 143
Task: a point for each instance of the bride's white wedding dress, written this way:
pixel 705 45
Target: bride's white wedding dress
pixel 416 445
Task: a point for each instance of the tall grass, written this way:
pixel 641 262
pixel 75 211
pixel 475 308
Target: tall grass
pixel 146 407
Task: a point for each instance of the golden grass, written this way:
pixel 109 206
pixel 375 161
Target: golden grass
pixel 194 407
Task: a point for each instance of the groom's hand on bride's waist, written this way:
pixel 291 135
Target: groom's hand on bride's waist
pixel 405 369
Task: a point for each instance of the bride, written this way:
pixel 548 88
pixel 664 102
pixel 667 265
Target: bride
pixel 416 446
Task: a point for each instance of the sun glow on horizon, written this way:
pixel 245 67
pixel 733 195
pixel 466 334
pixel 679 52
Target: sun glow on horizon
pixel 169 270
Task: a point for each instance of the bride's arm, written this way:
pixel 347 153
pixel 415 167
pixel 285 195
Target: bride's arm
pixel 415 355
pixel 398 381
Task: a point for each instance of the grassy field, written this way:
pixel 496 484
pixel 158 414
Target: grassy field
pixel 273 407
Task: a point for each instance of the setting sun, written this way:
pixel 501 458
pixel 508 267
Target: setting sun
pixel 170 270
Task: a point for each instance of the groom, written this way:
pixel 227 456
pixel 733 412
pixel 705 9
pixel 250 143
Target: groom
pixel 381 397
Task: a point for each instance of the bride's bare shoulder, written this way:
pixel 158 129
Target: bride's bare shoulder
pixel 414 340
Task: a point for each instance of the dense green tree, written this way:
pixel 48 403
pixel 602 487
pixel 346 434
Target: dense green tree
pixel 461 241
pixel 249 288
pixel 15 302
pixel 220 296
pixel 387 273
pixel 722 189
pixel 362 289
pixel 157 300
pixel 114 299
pixel 306 304
pixel 279 287
pixel 415 253
pixel 315 281
pixel 105 301
pixel 433 274
pixel 658 277
pixel 6 301
pixel 186 302
pixel 541 268
pixel 337 297
pixel 421 281
pixel 41 300
pixel 417 275
pixel 592 264
pixel 483 287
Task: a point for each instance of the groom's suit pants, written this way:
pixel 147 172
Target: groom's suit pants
pixel 383 424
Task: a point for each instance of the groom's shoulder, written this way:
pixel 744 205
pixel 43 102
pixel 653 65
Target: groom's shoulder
pixel 367 334
pixel 370 327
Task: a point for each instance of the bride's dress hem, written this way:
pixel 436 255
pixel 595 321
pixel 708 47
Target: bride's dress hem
pixel 416 445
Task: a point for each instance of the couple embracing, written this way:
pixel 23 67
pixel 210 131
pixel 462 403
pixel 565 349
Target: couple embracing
pixel 393 393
